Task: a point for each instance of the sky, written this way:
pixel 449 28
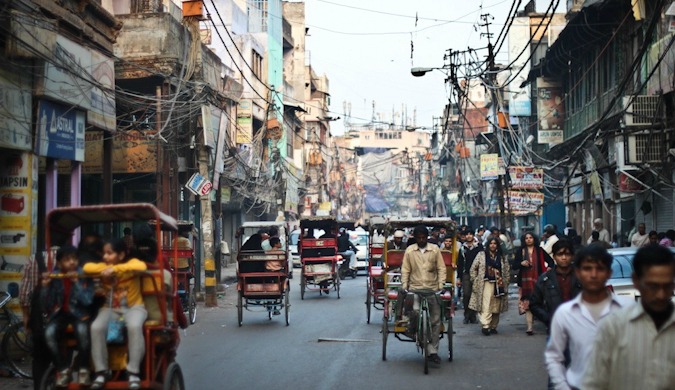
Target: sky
pixel 364 47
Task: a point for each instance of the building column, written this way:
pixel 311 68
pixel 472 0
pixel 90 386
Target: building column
pixel 75 192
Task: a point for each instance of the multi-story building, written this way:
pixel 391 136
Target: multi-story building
pixel 613 100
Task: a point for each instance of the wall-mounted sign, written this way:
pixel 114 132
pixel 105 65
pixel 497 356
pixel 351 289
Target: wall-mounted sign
pixel 491 166
pixel 550 112
pixel 245 121
pixel 523 203
pixel 15 111
pixel 60 132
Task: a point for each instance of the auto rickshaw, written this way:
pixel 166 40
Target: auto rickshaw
pixel 159 369
pixel 319 255
pixel 418 331
pixel 262 275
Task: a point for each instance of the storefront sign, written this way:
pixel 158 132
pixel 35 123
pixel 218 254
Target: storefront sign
pixel 550 111
pixel 526 178
pixel 60 132
pixel 84 78
pixel 15 111
pixel 523 203
pixel 199 185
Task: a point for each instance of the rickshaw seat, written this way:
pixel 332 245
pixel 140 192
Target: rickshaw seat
pixel 376 272
pixel 449 261
pixel 149 281
pixel 394 258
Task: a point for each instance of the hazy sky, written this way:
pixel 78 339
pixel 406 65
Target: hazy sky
pixel 364 47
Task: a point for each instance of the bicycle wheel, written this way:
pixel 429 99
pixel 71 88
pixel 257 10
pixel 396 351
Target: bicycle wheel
pixel 368 303
pixel 423 336
pixel 385 333
pixel 192 308
pixel 303 285
pixel 240 308
pixel 17 348
pixel 450 334
pixel 287 305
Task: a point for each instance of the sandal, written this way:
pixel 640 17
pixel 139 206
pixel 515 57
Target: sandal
pixel 99 382
pixel 134 381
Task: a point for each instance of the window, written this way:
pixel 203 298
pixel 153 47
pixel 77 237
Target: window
pixel 257 64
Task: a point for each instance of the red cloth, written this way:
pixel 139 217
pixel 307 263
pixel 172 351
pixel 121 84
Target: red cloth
pixel 529 275
pixel 565 284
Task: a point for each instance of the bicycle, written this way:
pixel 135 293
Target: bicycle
pixel 16 346
pixel 423 338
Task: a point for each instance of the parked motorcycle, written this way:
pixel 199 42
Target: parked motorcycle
pixel 344 270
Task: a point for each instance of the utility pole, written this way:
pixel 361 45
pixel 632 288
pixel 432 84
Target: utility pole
pixel 492 82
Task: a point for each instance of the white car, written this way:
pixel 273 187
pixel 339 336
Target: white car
pixel 293 248
pixel 359 238
pixel 622 269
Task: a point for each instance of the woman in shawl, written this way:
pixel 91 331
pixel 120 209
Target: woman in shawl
pixel 530 261
pixel 490 275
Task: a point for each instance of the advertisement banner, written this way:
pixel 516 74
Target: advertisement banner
pixel 18 214
pixel 83 78
pixel 489 166
pixel 551 111
pixel 523 203
pixel 15 111
pixel 218 164
pixel 60 132
pixel 245 121
pixel 520 103
pixel 526 178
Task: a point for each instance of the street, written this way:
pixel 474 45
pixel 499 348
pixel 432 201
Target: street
pixel 215 353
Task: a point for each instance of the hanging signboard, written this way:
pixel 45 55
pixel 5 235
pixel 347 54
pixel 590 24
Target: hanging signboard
pixel 489 166
pixel 199 185
pixel 550 111
pixel 526 178
pixel 523 202
pixel 245 121
pixel 60 132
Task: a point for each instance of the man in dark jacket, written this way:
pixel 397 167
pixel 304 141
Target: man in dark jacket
pixel 467 254
pixel 347 249
pixel 555 286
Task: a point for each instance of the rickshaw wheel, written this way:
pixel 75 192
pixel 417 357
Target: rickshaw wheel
pixel 192 308
pixel 287 306
pixel 240 308
pixel 337 287
pixel 48 380
pixel 173 378
pixel 368 302
pixel 303 282
pixel 385 333
pixel 424 340
pixel 450 334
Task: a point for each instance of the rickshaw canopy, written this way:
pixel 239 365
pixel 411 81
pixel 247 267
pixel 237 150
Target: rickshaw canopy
pixel 318 222
pixel 400 223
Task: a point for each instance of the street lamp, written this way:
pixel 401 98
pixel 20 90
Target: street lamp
pixel 421 71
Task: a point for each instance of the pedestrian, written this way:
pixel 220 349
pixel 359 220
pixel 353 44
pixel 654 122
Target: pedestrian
pixel 575 323
pixel 122 288
pixel 555 286
pixel 569 231
pixel 548 238
pixel 531 261
pixel 669 239
pixel 68 302
pixel 423 269
pixel 653 238
pixel 490 275
pixel 640 238
pixel 595 240
pixel 635 346
pixel 603 234
pixel 470 250
pixel 128 238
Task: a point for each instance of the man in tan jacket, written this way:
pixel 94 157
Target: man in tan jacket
pixel 423 269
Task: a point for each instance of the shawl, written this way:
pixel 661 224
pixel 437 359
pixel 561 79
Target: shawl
pixel 529 275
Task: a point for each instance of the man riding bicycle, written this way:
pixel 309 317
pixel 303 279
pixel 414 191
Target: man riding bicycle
pixel 423 269
pixel 347 249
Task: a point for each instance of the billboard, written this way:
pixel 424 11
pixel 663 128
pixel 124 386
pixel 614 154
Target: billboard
pixel 489 166
pixel 245 121
pixel 60 132
pixel 550 112
pixel 520 103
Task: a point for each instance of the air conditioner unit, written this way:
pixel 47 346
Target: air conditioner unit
pixel 646 147
pixel 640 109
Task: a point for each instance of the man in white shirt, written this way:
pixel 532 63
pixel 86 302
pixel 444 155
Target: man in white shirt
pixel 640 238
pixel 604 233
pixel 635 346
pixel 548 239
pixel 575 323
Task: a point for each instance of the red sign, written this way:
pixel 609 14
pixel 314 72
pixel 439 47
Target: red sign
pixel 627 184
pixel 206 188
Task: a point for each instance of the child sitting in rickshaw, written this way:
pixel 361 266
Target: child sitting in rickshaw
pixel 68 300
pixel 124 300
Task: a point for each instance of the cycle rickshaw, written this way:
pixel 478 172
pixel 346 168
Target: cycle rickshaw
pixel 262 276
pixel 159 370
pixel 375 291
pixel 418 331
pixel 178 244
pixel 319 255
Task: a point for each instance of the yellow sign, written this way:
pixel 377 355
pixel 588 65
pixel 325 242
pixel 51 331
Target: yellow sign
pixel 245 121
pixel 489 166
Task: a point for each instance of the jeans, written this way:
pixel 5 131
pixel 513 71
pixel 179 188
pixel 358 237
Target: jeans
pixel 54 332
pixel 467 288
pixel 352 258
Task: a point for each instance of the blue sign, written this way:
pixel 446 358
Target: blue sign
pixel 60 132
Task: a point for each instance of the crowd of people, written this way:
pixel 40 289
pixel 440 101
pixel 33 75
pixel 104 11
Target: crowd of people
pixel 595 339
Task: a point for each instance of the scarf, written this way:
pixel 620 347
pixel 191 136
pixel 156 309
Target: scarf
pixel 492 264
pixel 529 275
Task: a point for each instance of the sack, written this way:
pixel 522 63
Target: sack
pixel 523 306
pixel 116 332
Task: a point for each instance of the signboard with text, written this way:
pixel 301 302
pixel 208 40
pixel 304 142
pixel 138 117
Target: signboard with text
pixel 523 202
pixel 489 166
pixel 526 178
pixel 60 132
pixel 550 112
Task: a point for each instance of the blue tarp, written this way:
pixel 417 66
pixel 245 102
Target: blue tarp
pixel 374 201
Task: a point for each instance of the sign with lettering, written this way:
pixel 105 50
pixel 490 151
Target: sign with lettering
pixel 60 132
pixel 526 178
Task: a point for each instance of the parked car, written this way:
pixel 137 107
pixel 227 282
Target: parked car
pixel 622 269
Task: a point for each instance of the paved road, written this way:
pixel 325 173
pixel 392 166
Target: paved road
pixel 215 353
